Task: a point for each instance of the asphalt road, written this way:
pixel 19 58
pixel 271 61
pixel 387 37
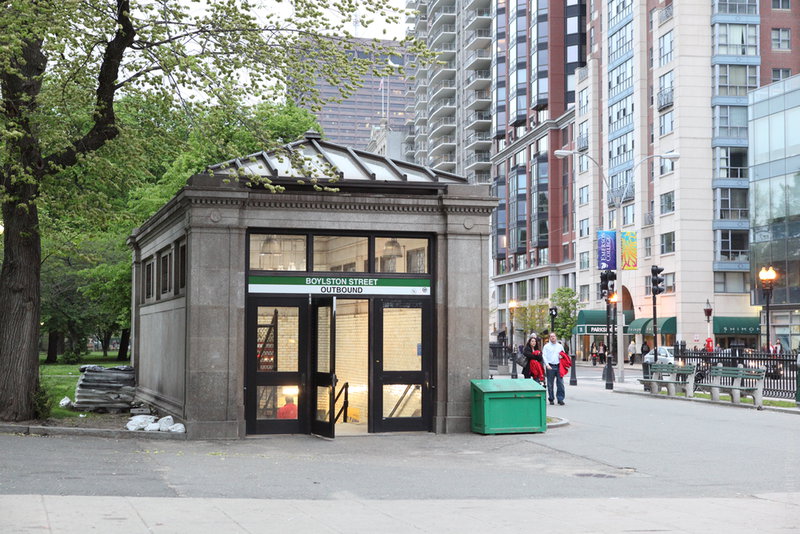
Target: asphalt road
pixel 616 445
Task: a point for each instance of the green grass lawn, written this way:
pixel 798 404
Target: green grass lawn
pixel 59 380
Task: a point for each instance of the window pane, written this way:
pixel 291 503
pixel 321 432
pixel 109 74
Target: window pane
pixel 402 339
pixel 277 339
pixel 277 402
pixel 402 400
pixel 340 254
pixel 401 255
pixel 275 252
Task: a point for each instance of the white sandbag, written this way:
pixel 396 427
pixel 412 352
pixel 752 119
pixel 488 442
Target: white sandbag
pixel 178 428
pixel 152 427
pixel 65 402
pixel 165 422
pixel 138 422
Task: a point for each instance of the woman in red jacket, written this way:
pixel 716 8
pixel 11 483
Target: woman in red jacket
pixel 535 367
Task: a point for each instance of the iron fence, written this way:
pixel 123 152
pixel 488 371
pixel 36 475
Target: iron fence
pixel 498 355
pixel 780 380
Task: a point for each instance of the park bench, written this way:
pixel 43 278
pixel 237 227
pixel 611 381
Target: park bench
pixel 736 389
pixel 671 376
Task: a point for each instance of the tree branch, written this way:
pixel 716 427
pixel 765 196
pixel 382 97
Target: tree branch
pixel 104 128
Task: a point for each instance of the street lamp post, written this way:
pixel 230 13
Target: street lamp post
pixel 512 304
pixel 617 196
pixel 613 298
pixel 767 277
pixel 708 310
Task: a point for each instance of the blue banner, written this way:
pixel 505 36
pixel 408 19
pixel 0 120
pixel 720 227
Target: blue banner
pixel 606 250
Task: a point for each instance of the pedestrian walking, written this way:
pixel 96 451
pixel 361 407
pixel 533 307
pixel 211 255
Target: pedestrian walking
pixel 533 353
pixel 631 352
pixel 601 352
pixel 645 349
pixel 593 352
pixel 552 353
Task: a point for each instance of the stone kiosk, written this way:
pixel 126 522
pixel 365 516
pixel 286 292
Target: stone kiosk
pixel 313 311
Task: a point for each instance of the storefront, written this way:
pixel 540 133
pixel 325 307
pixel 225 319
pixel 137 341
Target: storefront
pixel 310 311
pixel 742 331
pixel 591 328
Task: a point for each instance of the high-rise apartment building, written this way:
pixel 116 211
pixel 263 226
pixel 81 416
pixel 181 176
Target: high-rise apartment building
pixel 379 102
pixel 538 45
pixel 667 78
pixel 450 127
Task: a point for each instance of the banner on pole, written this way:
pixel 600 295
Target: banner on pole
pixel 629 251
pixel 606 250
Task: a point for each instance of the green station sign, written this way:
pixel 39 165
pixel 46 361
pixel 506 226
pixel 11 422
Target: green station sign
pixel 338 285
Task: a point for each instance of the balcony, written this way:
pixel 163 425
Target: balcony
pixel 443 34
pixel 734 214
pixel 623 11
pixel 621 193
pixel 478 18
pixel 442 88
pixel 479 177
pixel 736 7
pixel 478 59
pixel 445 52
pixel 478 79
pixel 478 140
pixel 409 131
pixel 479 158
pixel 665 14
pixel 665 98
pixel 420 151
pixel 478 100
pixel 442 72
pixel 479 118
pixel 649 219
pixel 445 106
pixel 445 143
pixel 582 73
pixel 443 125
pixel 445 162
pixel 443 14
pixel 582 142
pixel 480 38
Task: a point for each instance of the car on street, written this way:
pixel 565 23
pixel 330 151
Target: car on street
pixel 665 355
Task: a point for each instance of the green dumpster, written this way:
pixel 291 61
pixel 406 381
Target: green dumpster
pixel 507 406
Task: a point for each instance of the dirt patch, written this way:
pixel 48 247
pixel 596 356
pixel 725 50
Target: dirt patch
pixel 108 421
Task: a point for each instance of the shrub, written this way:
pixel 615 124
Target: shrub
pixel 42 402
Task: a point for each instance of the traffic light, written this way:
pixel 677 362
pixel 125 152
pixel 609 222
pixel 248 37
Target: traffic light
pixel 603 283
pixel 656 280
pixel 612 276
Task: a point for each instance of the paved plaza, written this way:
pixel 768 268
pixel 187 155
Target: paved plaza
pixel 624 463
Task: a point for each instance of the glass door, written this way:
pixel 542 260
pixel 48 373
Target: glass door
pixel 402 367
pixel 275 365
pixel 323 366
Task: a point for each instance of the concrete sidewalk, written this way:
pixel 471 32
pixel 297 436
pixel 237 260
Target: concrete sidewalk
pixel 778 512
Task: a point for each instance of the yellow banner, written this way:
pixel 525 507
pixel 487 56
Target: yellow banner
pixel 629 251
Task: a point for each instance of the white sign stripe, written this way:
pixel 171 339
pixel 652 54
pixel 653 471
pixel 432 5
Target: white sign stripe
pixel 338 290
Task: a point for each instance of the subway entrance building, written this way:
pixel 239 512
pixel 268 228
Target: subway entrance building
pixel 312 311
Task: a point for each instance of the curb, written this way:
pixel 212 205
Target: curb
pixel 561 422
pixel 90 432
pixel 794 411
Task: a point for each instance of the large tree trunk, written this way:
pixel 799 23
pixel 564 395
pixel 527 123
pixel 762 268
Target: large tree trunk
pixel 53 339
pixel 19 312
pixel 106 342
pixel 22 256
pixel 124 339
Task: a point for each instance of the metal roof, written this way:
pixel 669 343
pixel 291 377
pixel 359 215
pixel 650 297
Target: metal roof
pixel 313 157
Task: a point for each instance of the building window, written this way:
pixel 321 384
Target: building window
pixel 648 247
pixel 583 163
pixel 180 268
pixel 731 283
pixel 544 287
pixel 583 101
pixel 627 214
pixel 733 204
pixel 669 282
pixel 735 80
pixel 733 245
pixel 583 228
pixel 666 165
pixel 780 39
pixel 149 279
pixel 583 293
pixel 736 39
pixel 501 294
pixel 522 290
pixel 583 260
pixel 665 48
pixel 730 121
pixel 780 4
pixel 165 272
pixel 780 74
pixel 668 202
pixel 668 243
pixel 583 195
pixel 665 124
pixel 731 162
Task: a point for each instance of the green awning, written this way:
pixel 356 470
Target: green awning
pixel 592 322
pixel 666 325
pixel 637 326
pixel 731 326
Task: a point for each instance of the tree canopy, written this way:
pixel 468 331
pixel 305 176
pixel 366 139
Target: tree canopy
pixel 68 72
